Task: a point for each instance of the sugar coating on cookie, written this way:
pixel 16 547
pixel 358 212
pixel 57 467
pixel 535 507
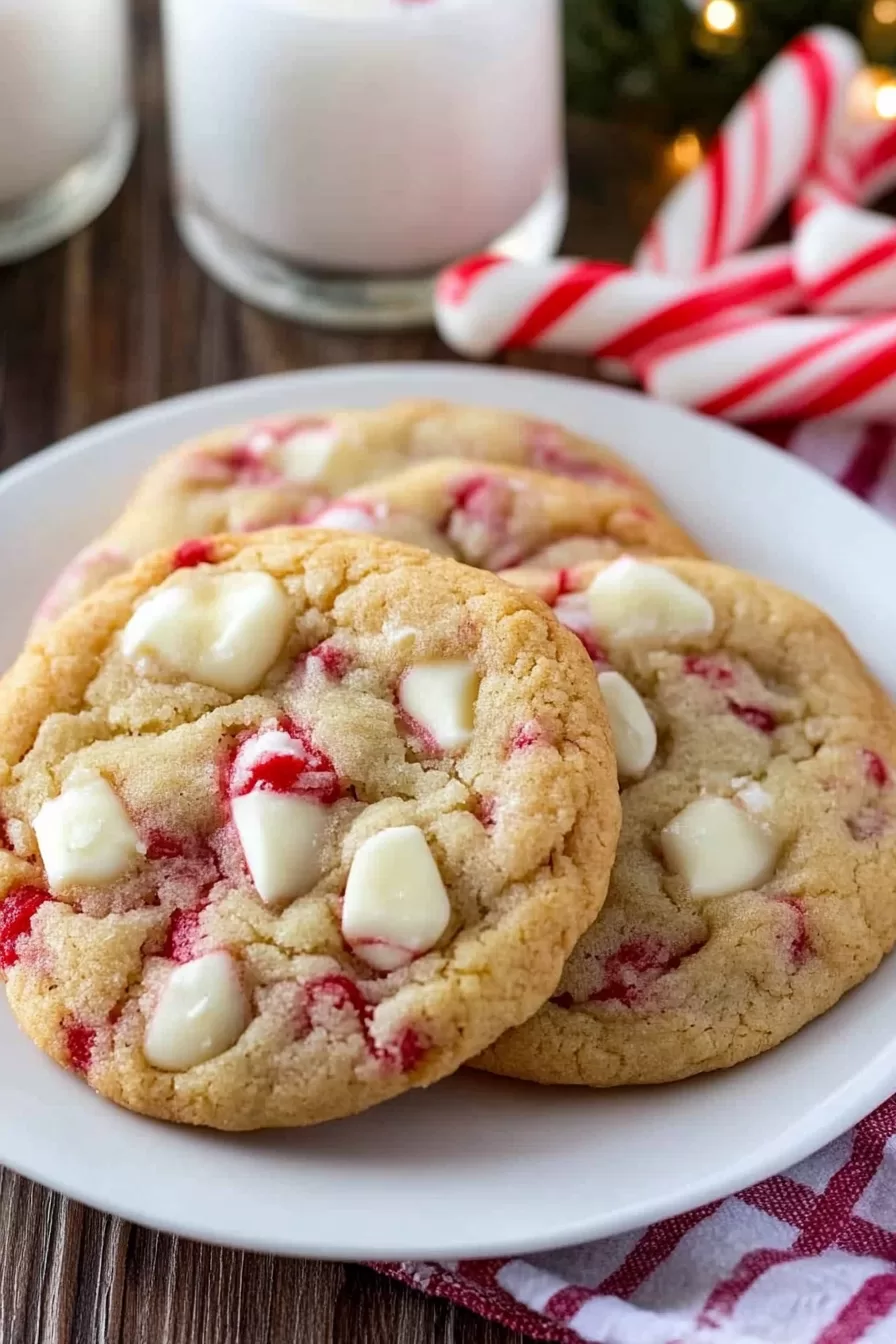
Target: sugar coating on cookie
pixel 754 879
pixel 496 516
pixel 293 829
pixel 278 469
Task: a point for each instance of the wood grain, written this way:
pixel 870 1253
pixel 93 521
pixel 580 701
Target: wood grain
pixel 117 318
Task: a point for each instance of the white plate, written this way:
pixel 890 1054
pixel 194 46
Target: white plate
pixel 477 1166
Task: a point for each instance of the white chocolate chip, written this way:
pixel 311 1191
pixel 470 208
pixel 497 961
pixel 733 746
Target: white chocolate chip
pixel 441 697
pixel 281 837
pixel 347 518
pixel 223 630
pixel 309 454
pixel 634 600
pixel 85 836
pixel 719 848
pixel 202 1011
pixel 396 906
pixel 634 732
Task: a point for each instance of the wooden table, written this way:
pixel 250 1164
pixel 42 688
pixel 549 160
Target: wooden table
pixel 116 318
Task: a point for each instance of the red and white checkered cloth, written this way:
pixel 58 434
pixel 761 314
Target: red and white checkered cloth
pixel 808 1257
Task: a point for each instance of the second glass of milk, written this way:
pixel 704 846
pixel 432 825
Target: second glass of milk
pixel 331 155
pixel 67 125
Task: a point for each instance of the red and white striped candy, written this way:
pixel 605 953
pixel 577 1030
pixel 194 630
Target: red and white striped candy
pixel 845 259
pixel 487 304
pixel 874 161
pixel 760 155
pixel 783 368
pixel 831 181
pixel 859 166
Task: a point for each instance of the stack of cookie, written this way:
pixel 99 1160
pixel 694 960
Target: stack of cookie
pixel 297 812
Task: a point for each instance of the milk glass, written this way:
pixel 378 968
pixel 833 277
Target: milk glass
pixel 67 125
pixel 330 155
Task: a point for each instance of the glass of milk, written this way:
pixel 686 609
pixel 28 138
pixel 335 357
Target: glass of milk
pixel 331 155
pixel 67 125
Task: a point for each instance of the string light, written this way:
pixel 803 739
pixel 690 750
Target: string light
pixel 684 153
pixel 872 95
pixel 719 26
pixel 721 16
pixel 885 100
pixel 878 30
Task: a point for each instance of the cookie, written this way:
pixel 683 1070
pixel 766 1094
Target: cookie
pixel 496 516
pixel 755 876
pixel 297 828
pixel 279 468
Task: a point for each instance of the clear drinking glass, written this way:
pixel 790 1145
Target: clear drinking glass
pixel 331 155
pixel 67 126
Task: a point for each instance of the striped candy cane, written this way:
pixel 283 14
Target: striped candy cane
pixel 762 152
pixel 845 259
pixel 857 166
pixel 874 162
pixel 783 368
pixel 487 304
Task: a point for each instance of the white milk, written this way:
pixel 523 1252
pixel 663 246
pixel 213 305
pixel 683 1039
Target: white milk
pixel 365 136
pixel 63 85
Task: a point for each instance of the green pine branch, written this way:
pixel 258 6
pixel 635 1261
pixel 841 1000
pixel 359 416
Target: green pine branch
pixel 636 59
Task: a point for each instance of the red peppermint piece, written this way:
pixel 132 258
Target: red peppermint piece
pixel 265 761
pixel 800 943
pixel 247 465
pixel 79 1043
pixel 334 661
pixel 162 845
pixel 478 520
pixel 486 811
pixel 16 913
pixel 566 582
pixel 754 715
pixel 631 970
pixel 528 735
pixel 183 935
pixel 875 768
pixel 403 1053
pixel 711 670
pixel 338 993
pixel 197 551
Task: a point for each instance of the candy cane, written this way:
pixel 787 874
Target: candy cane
pixel 761 153
pixel 859 166
pixel 832 180
pixel 845 260
pixel 786 367
pixel 874 162
pixel 486 304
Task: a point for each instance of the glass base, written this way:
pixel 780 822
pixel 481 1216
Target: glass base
pixel 353 302
pixel 46 218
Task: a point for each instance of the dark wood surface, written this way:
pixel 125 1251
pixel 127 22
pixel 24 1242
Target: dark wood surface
pixel 116 318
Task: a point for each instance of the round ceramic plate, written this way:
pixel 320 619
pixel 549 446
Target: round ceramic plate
pixel 477 1166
